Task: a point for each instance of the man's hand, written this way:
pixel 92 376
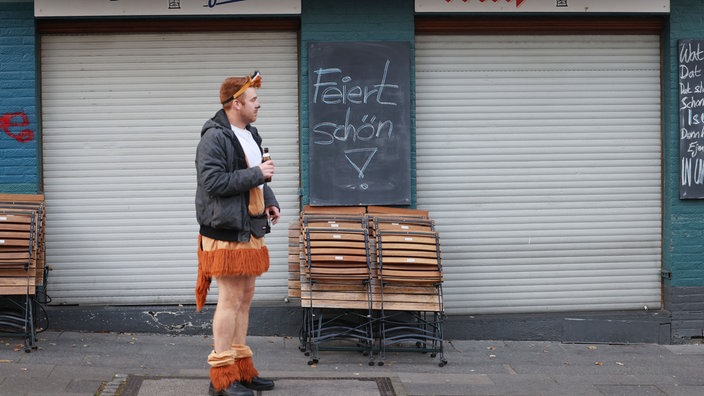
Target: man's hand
pixel 273 214
pixel 267 169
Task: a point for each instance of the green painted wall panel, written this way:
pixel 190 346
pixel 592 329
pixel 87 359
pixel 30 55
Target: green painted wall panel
pixel 683 220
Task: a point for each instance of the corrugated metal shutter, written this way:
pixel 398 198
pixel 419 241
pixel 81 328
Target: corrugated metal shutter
pixel 539 157
pixel 121 116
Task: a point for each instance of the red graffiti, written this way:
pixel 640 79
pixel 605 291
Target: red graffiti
pixel 16 120
pixel 518 2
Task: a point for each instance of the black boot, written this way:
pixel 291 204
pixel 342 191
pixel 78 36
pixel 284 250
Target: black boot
pixel 259 384
pixel 236 389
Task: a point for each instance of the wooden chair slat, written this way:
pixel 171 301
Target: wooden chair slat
pixel 386 253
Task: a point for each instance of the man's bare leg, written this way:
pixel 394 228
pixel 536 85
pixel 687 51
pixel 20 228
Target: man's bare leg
pixel 231 318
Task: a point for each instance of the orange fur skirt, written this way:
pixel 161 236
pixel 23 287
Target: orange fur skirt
pixel 222 258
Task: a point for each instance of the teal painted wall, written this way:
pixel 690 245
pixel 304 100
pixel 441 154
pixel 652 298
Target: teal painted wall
pixel 363 20
pixel 19 133
pixel 683 220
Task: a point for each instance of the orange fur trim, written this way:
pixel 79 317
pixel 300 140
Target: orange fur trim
pixel 246 369
pixel 233 262
pixel 223 377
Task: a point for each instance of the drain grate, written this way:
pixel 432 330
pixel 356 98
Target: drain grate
pixel 134 383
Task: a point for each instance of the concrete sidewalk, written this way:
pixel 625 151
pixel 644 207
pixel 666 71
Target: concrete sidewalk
pixel 110 364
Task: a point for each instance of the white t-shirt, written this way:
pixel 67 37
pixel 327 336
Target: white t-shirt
pixel 251 149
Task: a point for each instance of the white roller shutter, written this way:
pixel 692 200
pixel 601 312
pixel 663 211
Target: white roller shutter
pixel 539 157
pixel 121 118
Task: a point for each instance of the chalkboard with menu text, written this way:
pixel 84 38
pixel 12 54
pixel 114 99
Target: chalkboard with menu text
pixel 691 113
pixel 359 123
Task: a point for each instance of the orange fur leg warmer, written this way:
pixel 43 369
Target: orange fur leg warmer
pixel 230 366
pixel 244 363
pixel 223 370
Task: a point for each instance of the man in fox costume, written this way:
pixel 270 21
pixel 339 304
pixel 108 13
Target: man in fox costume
pixel 233 207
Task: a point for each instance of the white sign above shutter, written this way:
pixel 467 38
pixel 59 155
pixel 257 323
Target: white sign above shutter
pixel 83 8
pixel 526 6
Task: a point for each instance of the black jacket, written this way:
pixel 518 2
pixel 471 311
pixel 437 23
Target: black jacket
pixel 224 181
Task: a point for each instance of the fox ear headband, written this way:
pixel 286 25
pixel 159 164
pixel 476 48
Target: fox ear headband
pixel 255 80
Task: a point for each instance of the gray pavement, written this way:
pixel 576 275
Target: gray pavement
pixel 110 364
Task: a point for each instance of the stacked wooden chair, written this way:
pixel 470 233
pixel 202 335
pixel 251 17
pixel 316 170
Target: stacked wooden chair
pixel 22 265
pixel 335 283
pixel 369 279
pixel 295 260
pixel 409 274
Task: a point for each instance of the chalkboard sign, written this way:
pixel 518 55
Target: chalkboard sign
pixel 691 111
pixel 360 125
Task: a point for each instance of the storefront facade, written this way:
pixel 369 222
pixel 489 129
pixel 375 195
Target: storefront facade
pixel 544 141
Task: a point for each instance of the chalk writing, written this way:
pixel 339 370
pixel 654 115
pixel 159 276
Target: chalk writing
pixel 345 92
pixel 366 131
pixel 10 122
pixel 332 87
pixel 334 93
pixel 692 175
pixel 691 115
pixel 695 148
pixel 331 92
